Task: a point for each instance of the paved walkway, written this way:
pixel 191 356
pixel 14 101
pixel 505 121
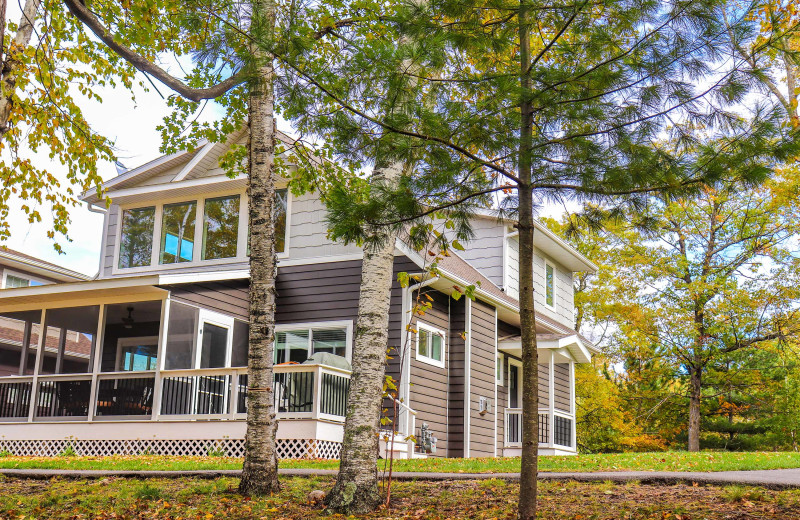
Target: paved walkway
pixel 773 478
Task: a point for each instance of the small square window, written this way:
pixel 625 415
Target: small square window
pixel 430 345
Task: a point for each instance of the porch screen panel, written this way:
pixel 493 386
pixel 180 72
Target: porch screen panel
pixel 241 339
pixel 130 336
pixel 214 346
pixel 70 340
pixel 220 227
pixel 181 334
pixel 19 339
pixel 177 232
pixel 136 238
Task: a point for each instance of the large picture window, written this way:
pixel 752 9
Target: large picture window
pixel 177 232
pixel 136 238
pixel 213 224
pixel 220 227
pixel 300 343
pixel 430 345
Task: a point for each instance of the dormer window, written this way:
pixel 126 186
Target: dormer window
pixel 192 232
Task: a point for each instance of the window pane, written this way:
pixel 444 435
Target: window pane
pixel 281 201
pixel 241 340
pixel 136 358
pixel 177 232
pixel 499 374
pixel 549 284
pixel 422 348
pixel 291 346
pixel 215 345
pixel 436 347
pixel 181 336
pixel 15 281
pixel 220 227
pixel 136 242
pixel 331 341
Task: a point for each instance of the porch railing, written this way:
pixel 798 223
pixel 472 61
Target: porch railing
pixel 301 392
pixel 562 425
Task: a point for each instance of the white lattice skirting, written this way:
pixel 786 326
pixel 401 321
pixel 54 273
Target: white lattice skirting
pixel 287 448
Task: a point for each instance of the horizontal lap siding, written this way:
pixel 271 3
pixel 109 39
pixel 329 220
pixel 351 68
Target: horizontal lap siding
pixel 455 436
pixel 482 378
pixel 318 292
pixel 112 220
pixel 429 384
pixel 228 297
pixel 502 404
pixel 561 386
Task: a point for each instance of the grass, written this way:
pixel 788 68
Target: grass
pixel 185 498
pixel 670 461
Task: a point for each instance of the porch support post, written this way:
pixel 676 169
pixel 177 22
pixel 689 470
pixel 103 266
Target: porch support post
pixel 37 365
pixel 62 345
pixel 572 407
pixel 162 342
pixel 95 359
pixel 551 423
pixel 315 407
pixel 26 342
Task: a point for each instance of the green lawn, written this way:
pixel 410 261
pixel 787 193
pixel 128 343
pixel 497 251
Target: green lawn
pixel 187 498
pixel 671 461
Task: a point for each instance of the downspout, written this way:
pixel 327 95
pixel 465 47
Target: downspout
pixel 104 212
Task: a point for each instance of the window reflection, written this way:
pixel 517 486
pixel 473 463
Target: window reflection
pixel 136 238
pixel 220 227
pixel 177 232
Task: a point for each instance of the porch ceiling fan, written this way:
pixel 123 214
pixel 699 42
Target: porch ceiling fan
pixel 128 322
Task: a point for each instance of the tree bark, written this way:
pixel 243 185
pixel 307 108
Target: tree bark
pixel 356 490
pixel 530 356
pixel 260 471
pixel 695 389
pixel 11 67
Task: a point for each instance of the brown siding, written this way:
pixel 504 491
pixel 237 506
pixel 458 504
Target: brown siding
pixel 228 297
pixel 482 378
pixel 561 386
pixel 429 383
pixel 455 427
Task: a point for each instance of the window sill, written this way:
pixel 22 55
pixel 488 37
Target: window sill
pixel 429 361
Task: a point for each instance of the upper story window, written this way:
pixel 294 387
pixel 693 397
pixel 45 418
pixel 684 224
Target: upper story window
pixel 136 240
pixel 430 345
pixel 188 232
pixel 11 281
pixel 549 284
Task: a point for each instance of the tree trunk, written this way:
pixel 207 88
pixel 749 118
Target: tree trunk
pixel 260 471
pixel 10 69
pixel 356 490
pixel 530 356
pixel 695 387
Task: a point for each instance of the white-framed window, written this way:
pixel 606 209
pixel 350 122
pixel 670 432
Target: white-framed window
pixel 431 345
pixel 191 231
pixel 14 280
pixel 498 377
pixel 137 354
pixel 297 342
pixel 550 285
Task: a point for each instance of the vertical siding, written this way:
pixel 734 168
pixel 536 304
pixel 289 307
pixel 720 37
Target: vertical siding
pixel 429 383
pixel 482 378
pixel 455 429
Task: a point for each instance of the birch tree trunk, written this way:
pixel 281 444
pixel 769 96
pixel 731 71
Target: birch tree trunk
pixel 12 66
pixel 530 356
pixel 356 490
pixel 260 471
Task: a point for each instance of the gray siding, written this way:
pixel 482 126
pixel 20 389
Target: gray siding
pixel 561 387
pixel 482 378
pixel 429 384
pixel 485 250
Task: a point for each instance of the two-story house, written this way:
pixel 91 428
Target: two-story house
pixel 151 356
